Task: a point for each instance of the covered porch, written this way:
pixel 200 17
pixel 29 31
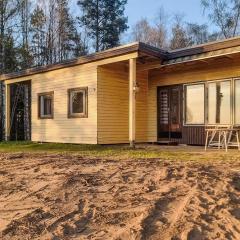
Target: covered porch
pixel 171 99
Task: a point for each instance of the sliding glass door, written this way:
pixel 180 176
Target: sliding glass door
pixel 170 112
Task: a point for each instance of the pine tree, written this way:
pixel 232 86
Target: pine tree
pixel 114 23
pixel 69 42
pixel 10 62
pixel 25 58
pixel 50 53
pixel 104 20
pixel 38 24
pixel 10 65
pixel 8 10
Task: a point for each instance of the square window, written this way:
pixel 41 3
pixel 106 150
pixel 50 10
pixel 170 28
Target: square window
pixel 77 106
pixel 45 105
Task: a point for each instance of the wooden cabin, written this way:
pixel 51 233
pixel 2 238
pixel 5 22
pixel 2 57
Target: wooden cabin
pixel 133 93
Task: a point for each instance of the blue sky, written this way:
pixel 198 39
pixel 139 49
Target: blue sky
pixel 136 9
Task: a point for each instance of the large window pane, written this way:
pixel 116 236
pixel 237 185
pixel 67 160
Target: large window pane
pixel 194 104
pixel 237 102
pixel 219 102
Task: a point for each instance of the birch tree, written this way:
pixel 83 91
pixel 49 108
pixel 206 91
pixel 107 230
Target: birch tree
pixel 225 14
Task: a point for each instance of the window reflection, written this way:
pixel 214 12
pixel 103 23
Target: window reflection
pixel 77 102
pixel 45 105
pixel 195 104
pixel 77 106
pixel 219 102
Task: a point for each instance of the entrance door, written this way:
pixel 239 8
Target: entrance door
pixel 170 112
pixel 20 119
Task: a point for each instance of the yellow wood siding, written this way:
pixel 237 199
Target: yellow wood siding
pixel 186 75
pixel 108 100
pixel 62 129
pixel 113 106
pixel 142 107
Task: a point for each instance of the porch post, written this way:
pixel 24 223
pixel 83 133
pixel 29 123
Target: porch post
pixel 7 112
pixel 132 101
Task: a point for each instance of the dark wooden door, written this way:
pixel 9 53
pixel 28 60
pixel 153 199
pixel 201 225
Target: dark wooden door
pixel 170 112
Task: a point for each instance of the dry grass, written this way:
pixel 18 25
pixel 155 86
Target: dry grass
pixel 121 152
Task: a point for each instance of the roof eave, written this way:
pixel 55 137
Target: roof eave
pixel 128 49
pixel 203 48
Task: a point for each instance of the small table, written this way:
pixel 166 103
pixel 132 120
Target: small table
pixel 221 137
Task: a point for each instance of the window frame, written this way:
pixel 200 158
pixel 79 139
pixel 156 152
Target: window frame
pixel 185 104
pixel 206 103
pixel 40 95
pixel 85 104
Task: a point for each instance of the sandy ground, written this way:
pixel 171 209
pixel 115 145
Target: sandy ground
pixel 69 197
